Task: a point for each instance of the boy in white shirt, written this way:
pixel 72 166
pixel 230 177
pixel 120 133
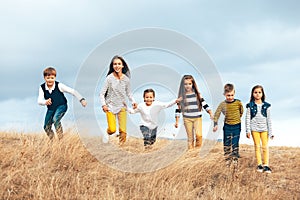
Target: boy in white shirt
pixel 51 94
pixel 149 111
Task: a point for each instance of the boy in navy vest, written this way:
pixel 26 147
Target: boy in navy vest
pixel 51 93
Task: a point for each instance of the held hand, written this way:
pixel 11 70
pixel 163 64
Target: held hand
pixel 134 105
pixel 248 135
pixel 211 116
pixel 215 128
pixel 272 137
pixel 178 100
pixel 83 103
pixel 176 125
pixel 48 102
pixel 105 108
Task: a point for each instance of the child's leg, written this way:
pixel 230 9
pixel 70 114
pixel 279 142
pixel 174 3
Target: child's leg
pixel 188 124
pixel 198 131
pixel 111 123
pixel 153 135
pixel 227 142
pixel 265 148
pixel 48 123
pixel 146 134
pixel 256 140
pixel 236 131
pixel 122 119
pixel 59 113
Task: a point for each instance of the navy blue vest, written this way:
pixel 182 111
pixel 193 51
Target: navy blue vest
pixel 57 97
pixel 253 108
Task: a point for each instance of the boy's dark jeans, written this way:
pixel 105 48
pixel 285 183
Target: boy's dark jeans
pixel 54 117
pixel 149 135
pixel 231 135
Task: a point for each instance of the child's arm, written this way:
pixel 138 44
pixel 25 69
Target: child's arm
pixel 269 124
pixel 216 117
pixel 64 88
pixel 130 96
pixel 41 100
pixel 248 122
pixel 177 116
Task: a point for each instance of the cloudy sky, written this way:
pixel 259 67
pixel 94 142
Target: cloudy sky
pixel 250 42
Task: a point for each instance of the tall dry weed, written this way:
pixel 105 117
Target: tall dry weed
pixel 32 167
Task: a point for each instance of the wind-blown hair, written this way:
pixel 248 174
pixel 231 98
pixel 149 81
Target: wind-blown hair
pixel 125 69
pixel 182 93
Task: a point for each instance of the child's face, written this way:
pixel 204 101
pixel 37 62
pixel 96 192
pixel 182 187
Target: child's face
pixel 257 94
pixel 188 85
pixel 50 80
pixel 229 96
pixel 117 65
pixel 149 98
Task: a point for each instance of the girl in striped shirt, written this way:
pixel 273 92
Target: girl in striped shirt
pixel 191 107
pixel 113 96
pixel 258 123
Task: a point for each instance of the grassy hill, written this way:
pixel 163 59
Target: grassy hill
pixel 31 167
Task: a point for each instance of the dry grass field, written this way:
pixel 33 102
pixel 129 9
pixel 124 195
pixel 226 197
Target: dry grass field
pixel 31 167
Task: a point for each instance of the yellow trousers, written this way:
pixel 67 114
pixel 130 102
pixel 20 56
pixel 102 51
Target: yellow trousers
pixel 112 125
pixel 263 138
pixel 193 127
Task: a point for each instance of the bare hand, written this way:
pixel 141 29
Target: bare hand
pixel 48 102
pixel 248 135
pixel 83 103
pixel 134 105
pixel 215 128
pixel 176 125
pixel 105 108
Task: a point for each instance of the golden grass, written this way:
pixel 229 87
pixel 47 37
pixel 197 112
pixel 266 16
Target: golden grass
pixel 34 168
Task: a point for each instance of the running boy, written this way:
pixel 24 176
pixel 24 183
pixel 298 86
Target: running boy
pixel 149 111
pixel 233 110
pixel 51 94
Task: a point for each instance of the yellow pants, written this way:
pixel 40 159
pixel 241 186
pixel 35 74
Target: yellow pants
pixel 263 137
pixel 112 126
pixel 193 127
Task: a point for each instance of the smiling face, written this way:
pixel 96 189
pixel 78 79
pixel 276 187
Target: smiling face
pixel 117 65
pixel 50 80
pixel 149 98
pixel 188 85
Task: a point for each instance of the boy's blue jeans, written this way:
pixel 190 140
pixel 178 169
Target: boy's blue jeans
pixel 231 135
pixel 149 135
pixel 54 117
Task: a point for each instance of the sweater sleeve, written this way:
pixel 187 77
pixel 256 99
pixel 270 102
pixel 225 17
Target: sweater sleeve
pixel 248 120
pixel 269 123
pixel 128 92
pixel 103 91
pixel 217 114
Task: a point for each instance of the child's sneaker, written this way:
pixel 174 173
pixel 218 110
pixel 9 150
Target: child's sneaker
pixel 228 163
pixel 267 170
pixel 259 168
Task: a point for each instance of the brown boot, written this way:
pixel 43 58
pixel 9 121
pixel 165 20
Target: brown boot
pixel 122 138
pixel 198 142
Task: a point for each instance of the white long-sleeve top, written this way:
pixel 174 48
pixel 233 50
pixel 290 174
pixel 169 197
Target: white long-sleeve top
pixel 62 87
pixel 149 114
pixel 118 90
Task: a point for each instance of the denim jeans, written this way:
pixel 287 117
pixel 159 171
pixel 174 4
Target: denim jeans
pixel 231 135
pixel 54 117
pixel 149 135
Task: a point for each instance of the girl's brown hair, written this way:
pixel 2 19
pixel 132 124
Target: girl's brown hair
pixel 182 93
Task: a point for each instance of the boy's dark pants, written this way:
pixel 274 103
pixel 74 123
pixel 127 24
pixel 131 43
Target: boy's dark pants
pixel 149 135
pixel 54 117
pixel 231 135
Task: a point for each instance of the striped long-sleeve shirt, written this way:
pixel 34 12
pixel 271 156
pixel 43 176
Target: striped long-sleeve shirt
pixel 117 93
pixel 191 109
pixel 232 111
pixel 258 123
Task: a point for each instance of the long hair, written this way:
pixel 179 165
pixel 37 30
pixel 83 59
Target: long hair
pixel 125 69
pixel 262 90
pixel 182 93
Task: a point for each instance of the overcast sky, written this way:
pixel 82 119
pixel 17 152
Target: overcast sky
pixel 250 42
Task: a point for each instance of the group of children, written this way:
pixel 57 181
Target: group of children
pixel 116 90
